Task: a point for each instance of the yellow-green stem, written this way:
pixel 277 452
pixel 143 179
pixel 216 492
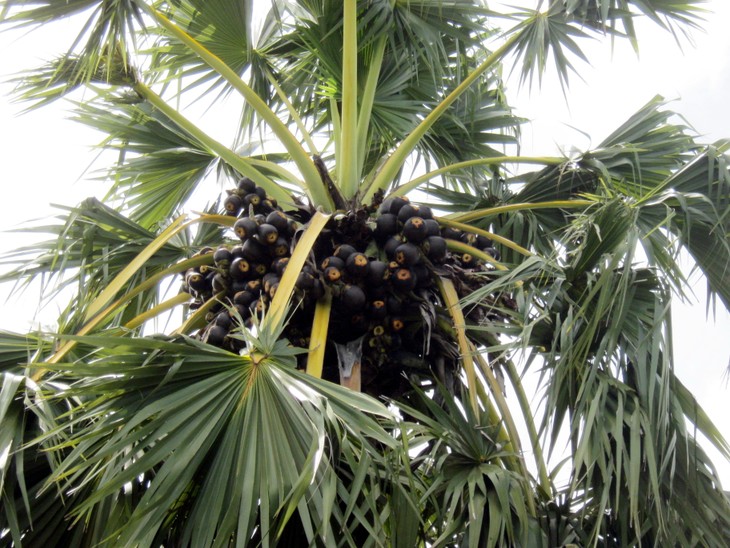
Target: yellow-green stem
pixel 293 113
pixel 451 299
pixel 347 162
pixel 169 304
pixel 366 102
pixel 494 237
pixel 415 183
pixel 455 245
pixel 489 211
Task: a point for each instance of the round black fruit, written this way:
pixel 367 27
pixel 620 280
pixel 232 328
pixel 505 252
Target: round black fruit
pixel 357 264
pixel 245 228
pixel 233 205
pixel 415 230
pixel 435 248
pixel 407 254
pixel 246 185
pixel 353 298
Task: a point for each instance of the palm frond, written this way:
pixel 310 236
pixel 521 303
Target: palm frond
pixel 103 50
pixel 253 428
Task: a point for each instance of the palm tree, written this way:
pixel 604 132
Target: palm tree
pixel 234 426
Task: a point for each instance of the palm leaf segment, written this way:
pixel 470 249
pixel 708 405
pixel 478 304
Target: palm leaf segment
pixel 161 426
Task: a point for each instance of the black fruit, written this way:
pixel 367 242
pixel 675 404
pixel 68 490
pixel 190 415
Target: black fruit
pixel 403 280
pixel 435 248
pixel 407 254
pixel 279 220
pixel 240 269
pixel 344 251
pixel 233 205
pixel 222 257
pixel 493 252
pixel 451 233
pixel 280 248
pixel 378 274
pixel 246 185
pixel 268 234
pixel 332 274
pixel 414 229
pixel 385 226
pixel 244 298
pixel 391 245
pixel 245 228
pixel 406 212
pixel 333 261
pixel 432 227
pixel 254 251
pixel 216 335
pixel 353 298
pixel 357 264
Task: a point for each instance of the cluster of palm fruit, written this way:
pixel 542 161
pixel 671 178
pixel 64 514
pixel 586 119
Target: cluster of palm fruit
pixel 378 263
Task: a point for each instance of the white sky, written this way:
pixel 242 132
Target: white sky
pixel 44 157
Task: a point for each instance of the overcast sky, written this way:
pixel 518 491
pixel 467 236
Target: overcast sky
pixel 44 157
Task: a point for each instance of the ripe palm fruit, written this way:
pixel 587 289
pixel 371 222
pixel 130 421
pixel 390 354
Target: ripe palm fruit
pixel 246 185
pixel 332 274
pixel 407 211
pixel 451 233
pixel 216 335
pixel 220 282
pixel 268 280
pixel 245 228
pixel 195 281
pixel 259 269
pixel 414 229
pixel 267 234
pixel 279 265
pixel 252 199
pixel 244 298
pixel 222 257
pixel 468 260
pixel 237 251
pixel 343 251
pixel 305 281
pixel 233 205
pixel 403 280
pixel 407 254
pixel 353 298
pixel 280 248
pixel 396 324
pixel 435 248
pixel 391 245
pixel 493 252
pixel 254 251
pixel 333 261
pixel 483 242
pixel 357 264
pixel 241 312
pixel 279 220
pixel 240 269
pixel 432 227
pixel 377 274
pixel 385 226
pixel 224 320
pixel 377 309
pixel 393 205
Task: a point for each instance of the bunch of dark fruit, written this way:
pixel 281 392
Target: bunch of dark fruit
pixel 379 264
